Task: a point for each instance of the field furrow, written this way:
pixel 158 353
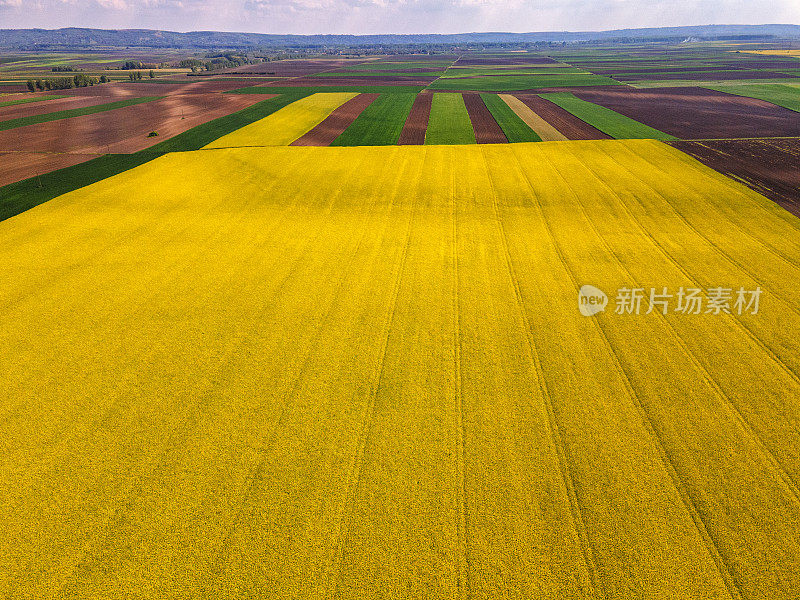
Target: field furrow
pixel 543 129
pixel 362 372
pixel 286 125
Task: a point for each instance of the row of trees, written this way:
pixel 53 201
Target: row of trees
pixel 137 75
pixel 65 83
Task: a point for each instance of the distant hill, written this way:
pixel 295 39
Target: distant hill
pixel 147 38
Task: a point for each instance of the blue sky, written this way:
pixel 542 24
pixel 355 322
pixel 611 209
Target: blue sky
pixel 385 16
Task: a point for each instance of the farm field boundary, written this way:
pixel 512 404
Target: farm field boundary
pixel 515 128
pixel 380 124
pixel 77 112
pixel 434 387
pixel 286 125
pixel 606 120
pixel 449 121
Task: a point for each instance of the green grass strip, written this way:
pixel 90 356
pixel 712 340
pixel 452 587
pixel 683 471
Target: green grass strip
pixel 606 120
pixel 782 95
pixel 363 89
pixel 516 129
pixel 29 100
pixel 199 136
pixel 75 112
pixel 380 124
pixel 374 74
pixel 449 121
pixel 20 196
pixel 498 83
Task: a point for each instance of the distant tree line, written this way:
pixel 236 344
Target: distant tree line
pixel 65 83
pixel 64 69
pixel 137 75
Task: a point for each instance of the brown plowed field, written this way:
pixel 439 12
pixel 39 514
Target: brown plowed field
pixel 124 89
pixel 486 129
pixel 336 122
pixel 294 68
pixel 125 129
pixel 566 123
pixel 704 76
pixel 16 166
pixel 17 111
pixel 529 60
pixel 770 167
pixel 417 121
pixel 697 113
pixel 370 80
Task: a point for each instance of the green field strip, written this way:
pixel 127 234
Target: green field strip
pixel 513 126
pixel 464 72
pixel 392 66
pixel 361 89
pixel 780 95
pixel 20 196
pixel 75 112
pixel 449 121
pixel 375 74
pixel 606 120
pixel 521 82
pixel 711 83
pixel 204 134
pixel 380 124
pixel 29 100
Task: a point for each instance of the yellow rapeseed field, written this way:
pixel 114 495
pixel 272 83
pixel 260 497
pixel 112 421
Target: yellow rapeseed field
pixel 286 125
pixel 362 373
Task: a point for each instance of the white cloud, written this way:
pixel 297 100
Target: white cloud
pixel 387 16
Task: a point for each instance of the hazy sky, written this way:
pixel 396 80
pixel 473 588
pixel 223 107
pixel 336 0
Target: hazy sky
pixel 386 16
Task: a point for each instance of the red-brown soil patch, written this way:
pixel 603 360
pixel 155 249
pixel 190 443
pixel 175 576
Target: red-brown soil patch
pixel 414 80
pixel 516 60
pixel 16 166
pixel 336 122
pixel 416 124
pixel 486 129
pixel 293 68
pixel 697 113
pixel 17 111
pixel 125 129
pixel 566 123
pixel 770 167
pixel 123 89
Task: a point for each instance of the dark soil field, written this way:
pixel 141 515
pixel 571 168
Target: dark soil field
pixel 125 129
pixel 335 124
pixel 417 121
pixel 16 166
pixel 293 68
pixel 566 123
pixel 697 113
pixel 770 167
pixel 487 131
pixel 18 111
pixel 521 60
pixel 361 81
